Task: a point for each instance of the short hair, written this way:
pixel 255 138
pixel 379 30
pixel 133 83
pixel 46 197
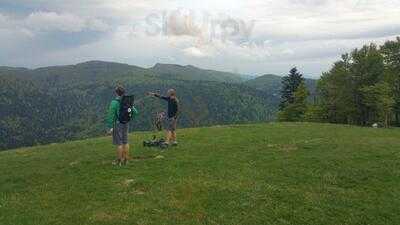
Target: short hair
pixel 172 92
pixel 119 90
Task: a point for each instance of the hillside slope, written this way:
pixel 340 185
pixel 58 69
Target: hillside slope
pixel 55 104
pixel 250 174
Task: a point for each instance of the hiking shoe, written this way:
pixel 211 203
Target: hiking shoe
pixel 117 162
pixel 164 145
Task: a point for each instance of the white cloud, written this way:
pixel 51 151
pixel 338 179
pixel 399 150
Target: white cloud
pixel 3 20
pixel 195 52
pixel 97 25
pixel 52 21
pixel 216 34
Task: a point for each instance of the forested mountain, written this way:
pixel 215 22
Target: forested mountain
pixel 75 74
pixel 189 72
pixel 268 82
pixel 61 103
pixel 272 84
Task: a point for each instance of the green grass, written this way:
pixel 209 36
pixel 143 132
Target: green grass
pixel 247 174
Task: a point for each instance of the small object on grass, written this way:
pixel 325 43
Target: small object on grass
pixel 159 157
pixel 117 162
pixel 73 163
pixel 128 181
pixel 164 145
pixel 156 143
pixel 139 192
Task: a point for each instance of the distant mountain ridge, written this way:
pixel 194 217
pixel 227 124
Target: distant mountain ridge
pixel 101 69
pixel 273 83
pixel 179 72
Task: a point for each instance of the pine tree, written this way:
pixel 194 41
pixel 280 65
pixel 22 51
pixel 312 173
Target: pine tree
pixel 290 83
pixel 296 110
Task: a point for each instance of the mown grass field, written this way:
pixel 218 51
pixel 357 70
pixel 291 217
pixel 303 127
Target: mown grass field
pixel 247 174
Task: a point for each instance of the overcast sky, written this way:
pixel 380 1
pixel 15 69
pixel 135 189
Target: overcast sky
pixel 248 36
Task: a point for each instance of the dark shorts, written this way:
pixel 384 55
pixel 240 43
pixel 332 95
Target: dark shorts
pixel 171 124
pixel 120 134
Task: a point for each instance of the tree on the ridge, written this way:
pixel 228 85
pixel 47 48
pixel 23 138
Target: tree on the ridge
pixel 290 83
pixel 380 98
pixel 391 56
pixel 296 110
pixel 367 69
pixel 342 95
pixel 336 93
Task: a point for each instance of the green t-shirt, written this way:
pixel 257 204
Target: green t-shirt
pixel 113 112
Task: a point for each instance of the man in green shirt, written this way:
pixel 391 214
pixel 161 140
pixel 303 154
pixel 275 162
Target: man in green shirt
pixel 118 129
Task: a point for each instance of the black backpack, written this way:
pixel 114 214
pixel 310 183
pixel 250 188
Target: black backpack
pixel 126 108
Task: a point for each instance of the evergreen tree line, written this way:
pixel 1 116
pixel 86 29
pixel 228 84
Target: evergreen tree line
pixel 362 88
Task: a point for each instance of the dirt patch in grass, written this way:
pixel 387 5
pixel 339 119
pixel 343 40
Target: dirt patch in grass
pixel 288 147
pixel 108 216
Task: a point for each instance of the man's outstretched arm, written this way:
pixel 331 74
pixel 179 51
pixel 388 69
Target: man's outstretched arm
pixel 158 96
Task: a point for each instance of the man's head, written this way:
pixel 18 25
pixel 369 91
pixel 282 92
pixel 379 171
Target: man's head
pixel 119 90
pixel 171 92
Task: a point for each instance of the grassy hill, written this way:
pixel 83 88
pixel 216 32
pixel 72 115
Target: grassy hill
pixel 275 173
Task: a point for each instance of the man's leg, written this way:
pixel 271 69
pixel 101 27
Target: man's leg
pixel 120 153
pixel 173 131
pixel 168 137
pixel 125 143
pixel 126 152
pixel 173 136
